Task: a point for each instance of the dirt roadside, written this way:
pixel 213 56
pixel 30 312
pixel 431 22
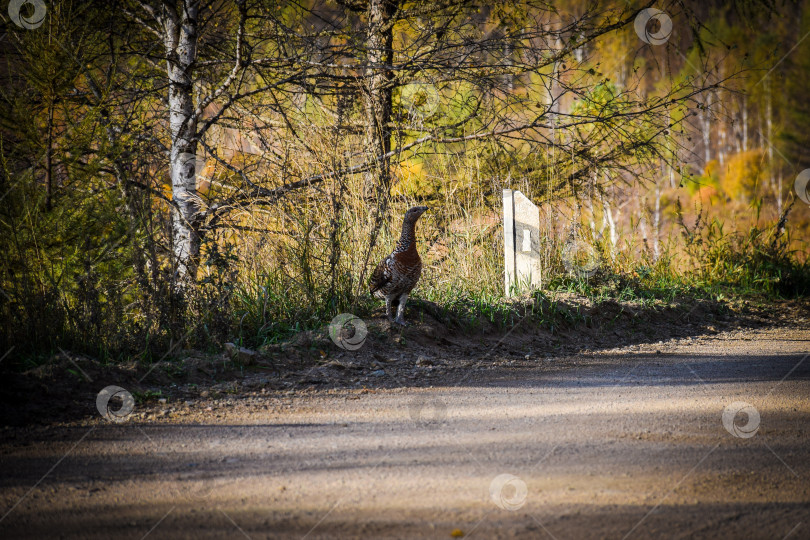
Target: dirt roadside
pixel 437 350
pixel 621 442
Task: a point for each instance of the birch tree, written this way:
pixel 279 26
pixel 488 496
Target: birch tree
pixel 177 25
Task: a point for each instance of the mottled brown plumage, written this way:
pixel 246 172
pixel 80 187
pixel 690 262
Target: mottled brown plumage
pixel 397 274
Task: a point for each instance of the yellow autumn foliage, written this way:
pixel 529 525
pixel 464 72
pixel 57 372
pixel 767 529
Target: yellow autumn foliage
pixel 743 175
pixel 712 169
pixel 411 179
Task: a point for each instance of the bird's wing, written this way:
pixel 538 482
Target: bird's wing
pixel 381 275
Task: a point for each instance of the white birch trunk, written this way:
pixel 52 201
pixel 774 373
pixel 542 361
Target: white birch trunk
pixel 707 133
pixel 642 225
pixel 589 202
pixel 769 127
pixel 745 124
pixel 657 221
pixel 722 142
pixel 180 41
pixel 608 216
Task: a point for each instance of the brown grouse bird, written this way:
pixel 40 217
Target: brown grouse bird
pixel 397 274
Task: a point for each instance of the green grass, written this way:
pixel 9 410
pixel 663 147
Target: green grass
pixel 263 302
pixel 723 266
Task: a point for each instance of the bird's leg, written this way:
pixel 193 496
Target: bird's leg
pixel 388 309
pixel 401 310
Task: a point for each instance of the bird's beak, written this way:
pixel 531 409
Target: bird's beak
pixel 422 209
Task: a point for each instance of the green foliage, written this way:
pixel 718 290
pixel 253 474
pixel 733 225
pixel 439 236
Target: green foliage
pixel 602 99
pixel 755 262
pixel 147 396
pixel 65 270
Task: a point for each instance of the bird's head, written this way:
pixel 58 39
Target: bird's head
pixel 413 214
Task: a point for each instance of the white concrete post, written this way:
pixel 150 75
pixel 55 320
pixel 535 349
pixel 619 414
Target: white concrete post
pixel 508 239
pixel 521 235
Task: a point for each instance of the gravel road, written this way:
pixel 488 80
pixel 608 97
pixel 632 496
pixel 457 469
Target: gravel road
pixel 625 443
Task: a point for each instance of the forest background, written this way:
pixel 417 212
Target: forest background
pixel 179 174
